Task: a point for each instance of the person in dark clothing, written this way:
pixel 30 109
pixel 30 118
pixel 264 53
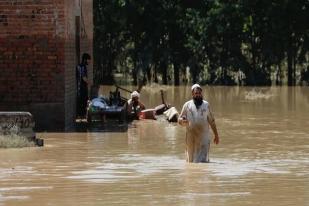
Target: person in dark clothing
pixel 82 86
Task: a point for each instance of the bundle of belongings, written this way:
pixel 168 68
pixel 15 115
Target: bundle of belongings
pixel 101 107
pixel 170 113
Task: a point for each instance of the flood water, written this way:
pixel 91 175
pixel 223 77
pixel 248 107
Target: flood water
pixel 262 159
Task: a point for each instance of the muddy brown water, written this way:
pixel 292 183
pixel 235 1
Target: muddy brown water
pixel 263 157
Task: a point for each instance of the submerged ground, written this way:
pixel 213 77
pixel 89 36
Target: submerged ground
pixel 262 158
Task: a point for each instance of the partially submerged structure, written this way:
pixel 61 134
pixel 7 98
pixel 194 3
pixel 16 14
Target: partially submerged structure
pixel 16 125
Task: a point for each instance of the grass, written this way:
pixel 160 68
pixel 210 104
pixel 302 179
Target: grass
pixel 13 139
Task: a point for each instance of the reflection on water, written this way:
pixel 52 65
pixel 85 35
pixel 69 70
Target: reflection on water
pixel 262 158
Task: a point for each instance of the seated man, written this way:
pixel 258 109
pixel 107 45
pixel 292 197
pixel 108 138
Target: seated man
pixel 134 106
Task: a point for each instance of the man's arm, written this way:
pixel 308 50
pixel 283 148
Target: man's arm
pixel 84 74
pixel 129 105
pixel 214 129
pixel 142 106
pixel 212 123
pixel 182 120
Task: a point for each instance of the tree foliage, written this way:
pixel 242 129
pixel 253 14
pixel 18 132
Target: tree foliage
pixel 249 42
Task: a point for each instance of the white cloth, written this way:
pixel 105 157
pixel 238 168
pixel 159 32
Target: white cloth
pixel 197 134
pixel 99 102
pixel 170 113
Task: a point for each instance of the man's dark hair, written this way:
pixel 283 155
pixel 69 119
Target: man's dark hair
pixel 85 57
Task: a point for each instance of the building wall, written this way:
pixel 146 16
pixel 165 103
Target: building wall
pixel 37 62
pixel 81 10
pixel 71 10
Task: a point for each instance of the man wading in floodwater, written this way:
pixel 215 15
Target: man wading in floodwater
pixel 134 106
pixel 196 116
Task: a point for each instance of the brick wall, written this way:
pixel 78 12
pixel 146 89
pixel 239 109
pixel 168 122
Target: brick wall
pixel 38 58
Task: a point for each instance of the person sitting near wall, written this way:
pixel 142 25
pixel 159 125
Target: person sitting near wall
pixel 134 106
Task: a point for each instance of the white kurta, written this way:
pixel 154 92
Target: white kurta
pixel 198 134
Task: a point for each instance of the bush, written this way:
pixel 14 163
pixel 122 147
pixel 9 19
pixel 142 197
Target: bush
pixel 13 139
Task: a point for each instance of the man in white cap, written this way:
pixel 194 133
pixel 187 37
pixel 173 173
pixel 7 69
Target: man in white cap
pixel 196 116
pixel 134 106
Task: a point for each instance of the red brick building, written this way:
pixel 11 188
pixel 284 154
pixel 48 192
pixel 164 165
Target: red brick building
pixel 41 42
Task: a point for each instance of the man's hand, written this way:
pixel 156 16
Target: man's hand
pixel 216 139
pixel 183 121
